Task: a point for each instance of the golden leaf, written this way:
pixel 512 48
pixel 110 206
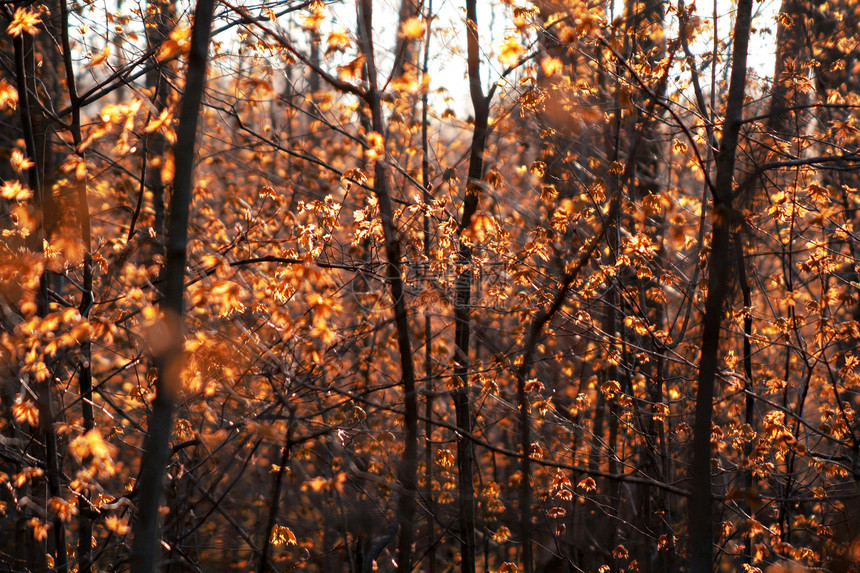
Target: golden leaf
pixel 316 16
pixel 118 525
pixel 40 370
pixel 678 146
pixel 167 50
pixel 8 96
pixel 25 411
pixel 413 28
pixel 92 444
pixel 337 41
pixel 588 484
pixel 375 145
pixel 502 534
pixel 557 512
pixel 533 386
pixel 445 458
pixel 40 529
pixel 610 389
pixel 405 83
pixel 14 191
pixel 168 169
pixel 164 119
pixel 62 508
pixel 538 168
pixel 551 66
pixel 177 43
pixel 282 534
pixel 24 21
pixel 19 162
pixel 352 70
pixel 99 58
pixel 510 52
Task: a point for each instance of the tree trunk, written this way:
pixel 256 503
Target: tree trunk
pixel 169 359
pixel 408 470
pixel 700 505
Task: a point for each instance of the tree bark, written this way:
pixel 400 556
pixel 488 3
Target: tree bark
pixel 146 545
pixel 404 50
pixel 700 506
pixel 408 470
pixel 428 331
pixel 155 144
pixel 85 376
pixel 463 296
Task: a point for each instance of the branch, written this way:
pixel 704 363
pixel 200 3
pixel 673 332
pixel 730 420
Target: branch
pixel 286 43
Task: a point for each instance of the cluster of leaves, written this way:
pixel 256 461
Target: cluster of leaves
pixel 574 265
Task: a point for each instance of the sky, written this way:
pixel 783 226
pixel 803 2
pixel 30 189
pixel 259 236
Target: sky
pixel 494 22
pixel 448 67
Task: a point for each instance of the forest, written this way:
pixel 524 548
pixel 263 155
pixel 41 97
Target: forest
pixel 503 286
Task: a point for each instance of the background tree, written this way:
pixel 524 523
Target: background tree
pixel 624 262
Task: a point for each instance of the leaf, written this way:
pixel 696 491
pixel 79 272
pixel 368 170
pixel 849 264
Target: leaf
pixel 557 512
pixel 337 41
pixel 352 70
pixel 24 21
pixel 168 168
pixel 588 484
pixel 62 509
pixel 177 43
pixel 40 529
pixel 510 52
pixel 313 20
pixel 8 96
pixel 538 169
pixel 533 385
pixel 99 58
pixel 14 191
pixel 19 161
pixel 445 458
pixel 375 145
pixel 25 411
pixel 502 534
pixel 282 534
pixel 117 524
pixel 610 389
pixel 168 49
pixel 413 29
pixel 551 66
pixel 164 120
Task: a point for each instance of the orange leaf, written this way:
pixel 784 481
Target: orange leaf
pixel 24 22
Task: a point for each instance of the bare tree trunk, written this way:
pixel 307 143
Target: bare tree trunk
pixel 428 331
pixel 146 546
pixel 85 377
pixel 463 294
pixel 404 50
pixel 23 45
pixel 408 470
pixel 700 506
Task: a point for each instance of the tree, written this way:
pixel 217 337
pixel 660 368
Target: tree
pixel 606 270
pixel 168 357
